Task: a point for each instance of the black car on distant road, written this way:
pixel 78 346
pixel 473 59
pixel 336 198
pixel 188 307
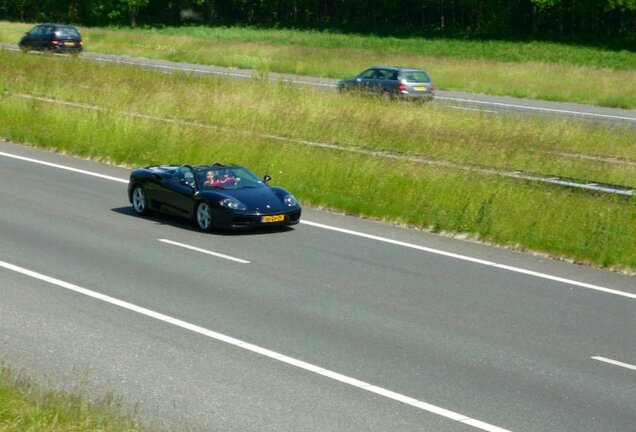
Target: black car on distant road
pixel 214 196
pixel 52 37
pixel 392 82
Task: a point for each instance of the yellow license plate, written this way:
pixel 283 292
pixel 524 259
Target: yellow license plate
pixel 274 218
pixel 69 43
pixel 420 88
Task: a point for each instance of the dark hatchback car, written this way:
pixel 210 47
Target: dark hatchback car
pixel 54 38
pixel 392 82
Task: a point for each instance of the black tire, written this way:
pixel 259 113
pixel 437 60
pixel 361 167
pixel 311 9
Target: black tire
pixel 203 216
pixel 139 200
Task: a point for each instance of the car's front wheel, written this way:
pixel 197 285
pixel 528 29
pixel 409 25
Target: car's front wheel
pixel 204 217
pixel 139 200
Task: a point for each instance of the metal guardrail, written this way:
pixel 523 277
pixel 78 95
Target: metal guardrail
pixel 579 184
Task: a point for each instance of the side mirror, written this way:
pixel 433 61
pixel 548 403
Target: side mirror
pixel 185 183
pixel 267 178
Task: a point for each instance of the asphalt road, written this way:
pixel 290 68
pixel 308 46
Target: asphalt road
pixel 338 324
pixel 496 105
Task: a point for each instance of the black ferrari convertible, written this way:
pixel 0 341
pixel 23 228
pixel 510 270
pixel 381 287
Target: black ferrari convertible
pixel 214 196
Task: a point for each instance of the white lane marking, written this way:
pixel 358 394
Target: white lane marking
pixel 472 109
pixel 532 108
pixel 63 167
pixel 258 350
pixel 614 362
pixel 470 259
pixel 194 248
pixel 386 240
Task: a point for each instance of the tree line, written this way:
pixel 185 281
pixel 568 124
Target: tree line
pixel 600 21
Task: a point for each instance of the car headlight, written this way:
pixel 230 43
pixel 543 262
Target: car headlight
pixel 233 204
pixel 290 200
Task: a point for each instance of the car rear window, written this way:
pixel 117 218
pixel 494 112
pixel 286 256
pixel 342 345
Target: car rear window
pixel 66 32
pixel 416 76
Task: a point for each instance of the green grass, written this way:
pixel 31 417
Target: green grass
pixel 538 70
pixel 319 145
pixel 26 406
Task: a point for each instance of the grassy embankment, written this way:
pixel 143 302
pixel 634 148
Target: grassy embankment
pixel 26 407
pixel 216 119
pixel 537 70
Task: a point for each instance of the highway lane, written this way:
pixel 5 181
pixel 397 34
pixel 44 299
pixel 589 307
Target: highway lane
pixel 453 99
pixel 511 350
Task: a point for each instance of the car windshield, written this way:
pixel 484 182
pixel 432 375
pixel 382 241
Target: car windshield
pixel 227 177
pixel 416 76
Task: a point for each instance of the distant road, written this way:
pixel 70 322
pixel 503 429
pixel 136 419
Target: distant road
pixel 456 100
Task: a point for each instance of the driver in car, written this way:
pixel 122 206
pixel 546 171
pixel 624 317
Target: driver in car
pixel 227 179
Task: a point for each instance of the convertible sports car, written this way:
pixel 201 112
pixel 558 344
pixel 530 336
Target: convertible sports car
pixel 215 196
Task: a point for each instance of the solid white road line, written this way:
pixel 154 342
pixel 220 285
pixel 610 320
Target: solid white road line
pixel 533 108
pixel 383 239
pixel 258 350
pixel 615 363
pixel 63 167
pixel 470 259
pixel 194 248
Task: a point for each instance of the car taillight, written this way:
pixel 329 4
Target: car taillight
pixel 55 42
pixel 81 43
pixel 402 88
pixel 432 88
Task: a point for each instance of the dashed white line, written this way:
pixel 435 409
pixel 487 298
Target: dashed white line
pixel 259 350
pixel 615 362
pixel 205 251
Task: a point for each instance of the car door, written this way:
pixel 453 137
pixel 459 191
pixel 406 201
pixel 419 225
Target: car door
pixel 381 81
pixel 388 81
pixel 178 193
pixel 364 81
pixel 45 37
pixel 32 38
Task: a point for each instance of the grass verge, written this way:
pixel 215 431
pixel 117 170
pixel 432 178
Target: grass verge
pixel 320 145
pixel 26 406
pixel 539 70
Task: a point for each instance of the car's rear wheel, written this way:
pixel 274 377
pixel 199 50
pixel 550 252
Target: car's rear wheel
pixel 204 216
pixel 139 200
